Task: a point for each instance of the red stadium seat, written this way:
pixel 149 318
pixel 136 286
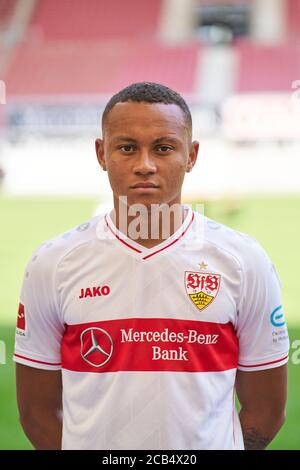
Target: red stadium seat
pixel 292 11
pixel 96 19
pixel 6 9
pixel 99 67
pixel 267 68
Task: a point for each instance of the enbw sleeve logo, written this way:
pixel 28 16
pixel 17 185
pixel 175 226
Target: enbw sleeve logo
pixel 277 317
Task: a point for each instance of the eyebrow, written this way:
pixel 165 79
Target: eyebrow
pixel 130 139
pixel 123 138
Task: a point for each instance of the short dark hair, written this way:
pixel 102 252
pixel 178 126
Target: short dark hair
pixel 148 92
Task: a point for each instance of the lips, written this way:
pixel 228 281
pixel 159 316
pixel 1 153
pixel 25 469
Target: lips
pixel 144 185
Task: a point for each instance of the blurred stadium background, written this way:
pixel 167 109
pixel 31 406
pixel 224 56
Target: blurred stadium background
pixel 237 63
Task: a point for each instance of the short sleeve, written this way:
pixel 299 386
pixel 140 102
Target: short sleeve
pixel 261 327
pixel 39 327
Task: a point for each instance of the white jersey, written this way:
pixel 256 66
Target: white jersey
pixel 149 340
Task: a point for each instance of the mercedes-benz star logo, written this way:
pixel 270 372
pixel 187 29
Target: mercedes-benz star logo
pixel 91 351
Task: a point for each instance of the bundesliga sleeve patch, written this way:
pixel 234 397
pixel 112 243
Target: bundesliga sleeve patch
pixel 21 321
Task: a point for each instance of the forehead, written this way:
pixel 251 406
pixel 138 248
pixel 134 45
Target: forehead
pixel 140 117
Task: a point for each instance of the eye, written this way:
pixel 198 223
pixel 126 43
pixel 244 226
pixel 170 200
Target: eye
pixel 164 148
pixel 126 148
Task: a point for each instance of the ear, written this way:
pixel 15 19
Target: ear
pixel 193 154
pixel 99 146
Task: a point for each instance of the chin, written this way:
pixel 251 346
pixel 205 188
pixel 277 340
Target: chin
pixel 148 201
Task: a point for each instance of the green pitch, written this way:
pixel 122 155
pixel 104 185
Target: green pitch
pixel 26 223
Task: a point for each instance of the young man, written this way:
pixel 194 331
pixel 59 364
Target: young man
pixel 136 328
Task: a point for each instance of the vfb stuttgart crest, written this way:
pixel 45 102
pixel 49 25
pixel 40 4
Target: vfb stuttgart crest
pixel 202 288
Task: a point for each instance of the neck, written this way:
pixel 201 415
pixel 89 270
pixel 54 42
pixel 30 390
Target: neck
pixel 148 226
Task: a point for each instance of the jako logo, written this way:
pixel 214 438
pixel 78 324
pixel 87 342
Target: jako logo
pixel 97 291
pixel 277 317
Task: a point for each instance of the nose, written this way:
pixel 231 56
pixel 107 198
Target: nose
pixel 144 163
